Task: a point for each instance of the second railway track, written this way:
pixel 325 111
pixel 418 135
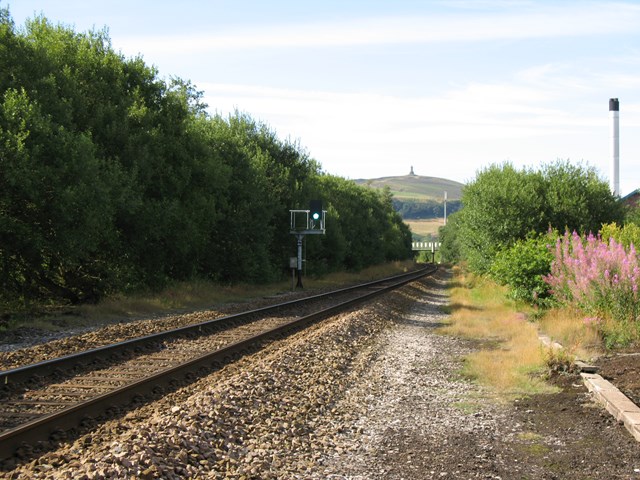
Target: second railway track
pixel 42 401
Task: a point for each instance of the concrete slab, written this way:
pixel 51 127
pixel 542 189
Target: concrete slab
pixel 616 403
pixel 597 383
pixel 632 417
pixel 631 421
pixel 586 368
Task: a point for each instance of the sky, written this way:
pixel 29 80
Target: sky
pixel 371 88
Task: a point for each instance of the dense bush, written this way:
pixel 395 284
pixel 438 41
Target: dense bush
pixel 449 235
pixel 627 235
pixel 113 179
pixel 523 268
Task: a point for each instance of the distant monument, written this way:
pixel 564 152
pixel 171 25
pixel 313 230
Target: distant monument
pixel 411 172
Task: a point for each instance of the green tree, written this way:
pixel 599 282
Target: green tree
pixel 112 179
pixel 449 235
pixel 285 170
pixel 577 199
pixel 503 205
pixel 55 205
pixel 363 228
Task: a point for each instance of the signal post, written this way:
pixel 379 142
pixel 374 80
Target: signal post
pixel 306 222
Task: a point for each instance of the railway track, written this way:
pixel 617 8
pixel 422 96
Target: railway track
pixel 44 401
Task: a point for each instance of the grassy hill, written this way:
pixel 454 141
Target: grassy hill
pixel 420 201
pixel 416 187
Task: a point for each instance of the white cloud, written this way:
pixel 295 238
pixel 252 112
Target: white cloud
pixel 368 135
pixel 552 21
pixel 620 80
pixel 471 112
pixel 370 129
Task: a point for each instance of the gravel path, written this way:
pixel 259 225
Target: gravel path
pixel 422 420
pixel 416 405
pixel 374 394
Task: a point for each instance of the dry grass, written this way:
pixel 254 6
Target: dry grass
pixel 179 296
pixel 567 327
pixel 513 358
pixel 196 295
pixel 368 274
pixel 425 227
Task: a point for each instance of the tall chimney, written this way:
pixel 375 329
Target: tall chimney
pixel 614 116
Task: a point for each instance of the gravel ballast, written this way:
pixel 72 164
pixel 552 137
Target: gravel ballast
pixel 373 394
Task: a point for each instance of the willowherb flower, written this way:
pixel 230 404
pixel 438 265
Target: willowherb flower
pixel 596 276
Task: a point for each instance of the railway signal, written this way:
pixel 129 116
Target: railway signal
pixel 306 222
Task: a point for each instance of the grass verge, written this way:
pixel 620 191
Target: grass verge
pixel 513 361
pixel 187 296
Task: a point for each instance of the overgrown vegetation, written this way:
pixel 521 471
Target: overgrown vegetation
pixel 115 180
pixel 513 361
pixel 508 230
pixel 523 267
pixel 600 278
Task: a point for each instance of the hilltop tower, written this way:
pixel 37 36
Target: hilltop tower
pixel 411 172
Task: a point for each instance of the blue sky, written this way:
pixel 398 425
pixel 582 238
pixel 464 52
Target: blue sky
pixel 371 88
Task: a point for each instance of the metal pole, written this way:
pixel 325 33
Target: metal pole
pixel 299 237
pixel 614 115
pixel 445 207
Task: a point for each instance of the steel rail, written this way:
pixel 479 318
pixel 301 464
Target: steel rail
pixel 40 429
pixel 47 367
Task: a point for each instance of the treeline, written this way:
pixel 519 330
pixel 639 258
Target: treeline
pixel 113 179
pixel 414 209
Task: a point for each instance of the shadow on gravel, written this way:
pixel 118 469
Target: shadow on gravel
pixel 435 297
pixel 419 323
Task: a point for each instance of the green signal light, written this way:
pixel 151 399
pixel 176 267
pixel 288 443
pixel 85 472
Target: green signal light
pixel 315 208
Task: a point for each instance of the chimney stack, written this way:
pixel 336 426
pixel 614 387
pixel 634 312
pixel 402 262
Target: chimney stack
pixel 614 116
